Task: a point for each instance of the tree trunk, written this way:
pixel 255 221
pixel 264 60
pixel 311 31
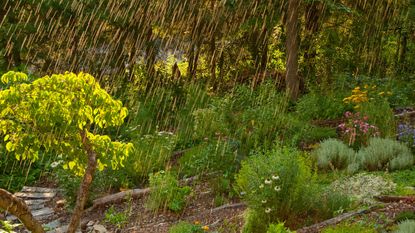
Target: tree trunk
pixel 213 62
pixel 221 63
pixel 18 208
pixel 292 79
pixel 402 53
pixel 86 183
pixel 312 26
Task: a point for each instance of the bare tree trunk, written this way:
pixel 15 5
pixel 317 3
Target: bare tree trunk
pixel 292 79
pixel 402 53
pixel 221 63
pixel 86 183
pixel 18 208
pixel 213 61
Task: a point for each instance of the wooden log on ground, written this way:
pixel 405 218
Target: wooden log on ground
pixel 227 206
pixel 333 221
pixel 119 197
pixel 124 195
pixel 388 199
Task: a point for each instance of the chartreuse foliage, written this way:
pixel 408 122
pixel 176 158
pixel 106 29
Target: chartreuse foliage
pixel 51 113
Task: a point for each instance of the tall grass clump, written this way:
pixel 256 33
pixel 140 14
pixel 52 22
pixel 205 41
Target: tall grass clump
pixel 166 193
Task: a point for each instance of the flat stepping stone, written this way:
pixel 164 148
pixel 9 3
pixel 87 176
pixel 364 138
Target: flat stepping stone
pixel 37 214
pixel 36 199
pixel 36 207
pixel 27 189
pixel 36 195
pixel 35 202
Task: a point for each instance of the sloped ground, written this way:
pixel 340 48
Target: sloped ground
pixel 200 209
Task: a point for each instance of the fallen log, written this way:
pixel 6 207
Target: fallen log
pixel 227 206
pixel 119 197
pixel 333 221
pixel 388 199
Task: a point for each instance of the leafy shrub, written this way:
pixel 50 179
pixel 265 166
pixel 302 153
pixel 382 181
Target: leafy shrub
pixel 278 228
pixel 166 192
pixel 407 226
pixel 255 221
pixel 315 134
pixel 380 113
pixel 385 153
pixel 363 187
pixel 334 154
pixel 185 227
pixel 277 184
pixel 151 153
pixel 115 218
pixel 315 106
pixel 210 122
pixel 331 203
pixel 219 156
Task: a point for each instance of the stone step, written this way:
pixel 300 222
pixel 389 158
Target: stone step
pixel 36 207
pixel 40 215
pixel 36 195
pixel 27 189
pixel 35 202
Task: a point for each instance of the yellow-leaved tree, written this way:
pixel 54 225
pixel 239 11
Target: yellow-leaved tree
pixel 56 113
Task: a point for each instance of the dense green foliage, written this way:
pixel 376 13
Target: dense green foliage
pixel 166 192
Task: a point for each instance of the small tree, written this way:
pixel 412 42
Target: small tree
pixel 58 114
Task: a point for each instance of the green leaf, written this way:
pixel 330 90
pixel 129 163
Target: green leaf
pixel 71 165
pixel 6 137
pixel 9 146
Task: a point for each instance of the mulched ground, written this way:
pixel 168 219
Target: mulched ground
pixel 142 220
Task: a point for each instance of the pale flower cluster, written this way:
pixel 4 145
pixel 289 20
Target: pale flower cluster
pixel 363 187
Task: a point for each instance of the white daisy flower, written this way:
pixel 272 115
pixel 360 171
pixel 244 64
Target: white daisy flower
pixel 275 177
